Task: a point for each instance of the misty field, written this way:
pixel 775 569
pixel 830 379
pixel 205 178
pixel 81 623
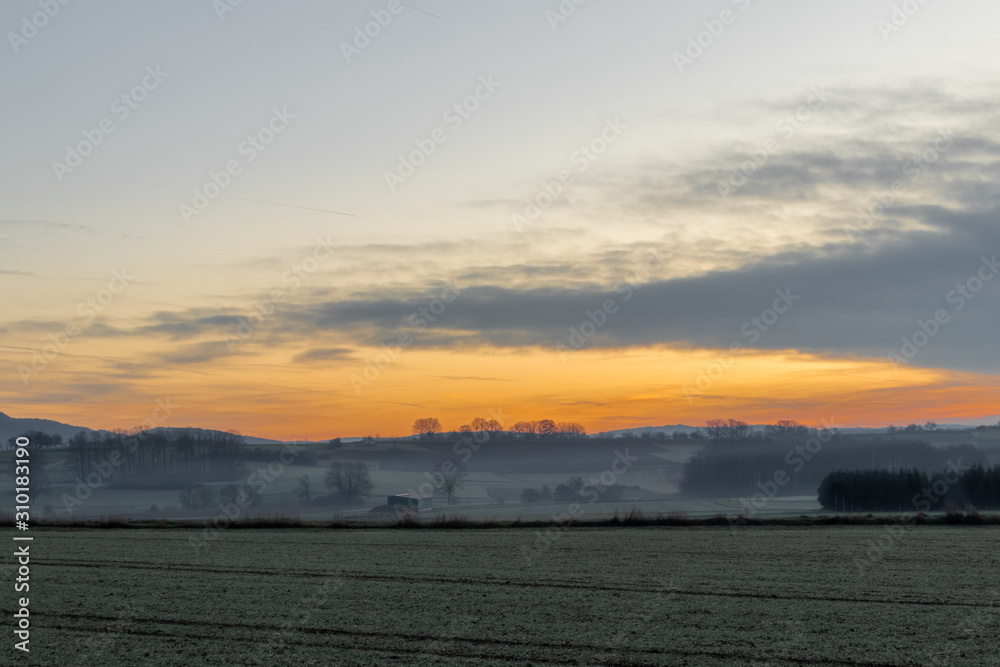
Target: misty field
pixel 581 596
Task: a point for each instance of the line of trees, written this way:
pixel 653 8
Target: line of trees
pixel 38 439
pixel 872 490
pixel 737 429
pixel 428 427
pixel 546 428
pixel 728 467
pixel 727 429
pixel 158 455
pixel 910 490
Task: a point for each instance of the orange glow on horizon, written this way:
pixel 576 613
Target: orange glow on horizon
pixel 268 395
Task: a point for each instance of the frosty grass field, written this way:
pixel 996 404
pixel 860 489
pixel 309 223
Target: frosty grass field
pixel 592 596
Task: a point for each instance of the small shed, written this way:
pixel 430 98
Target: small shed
pixel 411 501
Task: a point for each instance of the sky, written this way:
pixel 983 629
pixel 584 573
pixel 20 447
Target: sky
pixel 312 219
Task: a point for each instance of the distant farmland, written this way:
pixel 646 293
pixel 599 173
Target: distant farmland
pixel 929 595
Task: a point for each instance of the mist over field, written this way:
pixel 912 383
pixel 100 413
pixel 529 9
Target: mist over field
pixel 727 468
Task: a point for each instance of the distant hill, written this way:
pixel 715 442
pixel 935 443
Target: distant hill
pixel 670 429
pixel 11 427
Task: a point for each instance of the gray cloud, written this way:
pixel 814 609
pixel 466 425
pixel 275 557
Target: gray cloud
pixel 855 296
pixel 196 353
pixel 324 354
pixel 848 299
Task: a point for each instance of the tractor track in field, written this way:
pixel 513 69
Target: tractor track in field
pixel 632 654
pixel 538 583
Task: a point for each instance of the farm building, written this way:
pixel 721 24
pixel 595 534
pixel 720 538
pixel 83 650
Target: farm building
pixel 411 501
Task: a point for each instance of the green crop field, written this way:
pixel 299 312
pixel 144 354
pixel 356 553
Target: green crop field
pixel 927 595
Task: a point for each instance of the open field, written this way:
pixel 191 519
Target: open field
pixel 581 596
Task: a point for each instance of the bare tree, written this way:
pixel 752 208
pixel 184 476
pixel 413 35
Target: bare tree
pixel 426 427
pixel 350 480
pixel 731 429
pixel 546 428
pixel 305 489
pixel 448 478
pixel 785 428
pixel 525 429
pixel 570 428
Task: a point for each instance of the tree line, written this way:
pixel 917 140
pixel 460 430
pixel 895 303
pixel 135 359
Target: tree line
pixel 429 427
pixel 737 429
pixel 910 490
pixel 158 454
pixel 37 439
pixel 727 467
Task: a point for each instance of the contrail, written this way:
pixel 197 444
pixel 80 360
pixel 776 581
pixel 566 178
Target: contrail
pixel 420 10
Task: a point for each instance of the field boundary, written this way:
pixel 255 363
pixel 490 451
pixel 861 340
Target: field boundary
pixel 410 521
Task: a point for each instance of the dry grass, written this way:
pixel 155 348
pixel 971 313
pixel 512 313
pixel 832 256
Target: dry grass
pixel 276 520
pixel 458 521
